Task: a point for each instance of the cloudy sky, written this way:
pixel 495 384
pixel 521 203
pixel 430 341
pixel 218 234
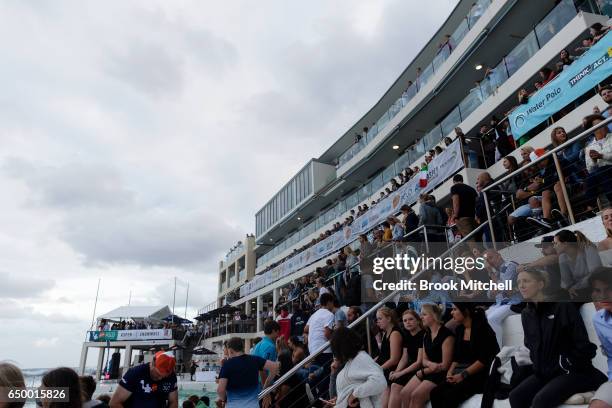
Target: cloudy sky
pixel 138 139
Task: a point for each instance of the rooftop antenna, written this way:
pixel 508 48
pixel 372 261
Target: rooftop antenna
pixel 173 300
pixel 93 317
pixel 186 300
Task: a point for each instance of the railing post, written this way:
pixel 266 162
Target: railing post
pixel 489 218
pixel 426 239
pixel 568 204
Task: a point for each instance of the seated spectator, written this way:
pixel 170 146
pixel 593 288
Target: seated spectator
pixel 523 96
pixel 605 246
pixel 361 381
pixel 510 165
pixel 474 351
pixel 569 158
pixel 65 377
pixel 390 346
pixel 525 152
pixel 387 233
pixel 409 363
pixel 598 157
pixel 435 360
pixel 565 60
pixel 397 228
pixel 578 258
pixel 547 75
pixel 238 383
pixel 549 264
pixel 88 387
pixel 11 377
pixel 501 271
pixel 586 45
pixel 438 150
pixel 598 31
pixel 601 283
pixel 561 354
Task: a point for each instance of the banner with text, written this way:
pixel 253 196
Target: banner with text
pixel 593 67
pixel 439 169
pixel 127 335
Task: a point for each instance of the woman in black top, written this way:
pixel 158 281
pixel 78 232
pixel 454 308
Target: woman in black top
pixel 434 360
pixel 409 364
pixel 559 348
pixel 475 349
pixel 391 345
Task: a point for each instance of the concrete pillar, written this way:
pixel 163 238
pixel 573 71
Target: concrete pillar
pixel 247 308
pixel 100 362
pixel 259 309
pixel 275 293
pixel 83 360
pixel 127 359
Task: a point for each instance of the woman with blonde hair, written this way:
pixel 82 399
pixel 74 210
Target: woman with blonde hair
pixel 11 376
pixel 435 360
pixel 409 363
pixel 605 246
pixel 391 344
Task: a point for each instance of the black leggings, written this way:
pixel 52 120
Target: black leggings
pixel 448 395
pixel 539 393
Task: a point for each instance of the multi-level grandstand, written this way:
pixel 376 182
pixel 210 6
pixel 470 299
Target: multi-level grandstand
pixel 510 96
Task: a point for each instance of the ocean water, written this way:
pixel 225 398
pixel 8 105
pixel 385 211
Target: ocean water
pixel 33 378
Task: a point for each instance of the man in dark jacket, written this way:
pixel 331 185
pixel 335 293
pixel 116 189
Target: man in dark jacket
pixel 410 221
pixel 561 354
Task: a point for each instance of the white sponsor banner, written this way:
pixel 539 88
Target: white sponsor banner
pixel 442 167
pixel 153 334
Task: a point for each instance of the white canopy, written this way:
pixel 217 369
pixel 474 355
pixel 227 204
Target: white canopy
pixel 138 313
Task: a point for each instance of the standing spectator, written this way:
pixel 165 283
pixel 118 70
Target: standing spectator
pixel 435 360
pixel 239 377
pixel 561 353
pixel 284 322
pixel 487 138
pixel 339 315
pixel 148 385
pixel 598 156
pixel 318 331
pixel 411 220
pixel 322 288
pixel 464 205
pixel 266 348
pixel 606 94
pixel 397 228
pixel 298 321
pixel 11 377
pixel 601 283
pixel 502 271
pixel 192 369
pixel 475 349
pixel 361 381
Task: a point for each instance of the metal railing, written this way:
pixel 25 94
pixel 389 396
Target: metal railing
pixel 551 153
pixel 360 319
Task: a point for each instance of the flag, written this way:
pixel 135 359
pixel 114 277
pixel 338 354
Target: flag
pixel 423 176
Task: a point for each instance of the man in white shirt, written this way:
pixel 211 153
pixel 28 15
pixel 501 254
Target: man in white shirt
pixel 318 331
pixel 598 159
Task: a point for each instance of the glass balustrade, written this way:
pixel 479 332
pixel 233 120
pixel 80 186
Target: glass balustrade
pixel 558 18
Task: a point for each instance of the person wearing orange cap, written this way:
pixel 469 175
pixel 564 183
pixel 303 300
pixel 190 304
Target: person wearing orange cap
pixel 149 385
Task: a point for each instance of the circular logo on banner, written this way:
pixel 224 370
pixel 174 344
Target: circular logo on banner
pixel 519 121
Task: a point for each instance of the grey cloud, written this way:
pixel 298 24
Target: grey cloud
pixel 147 237
pixel 71 186
pixel 149 68
pixel 15 286
pixel 17 311
pixel 107 224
